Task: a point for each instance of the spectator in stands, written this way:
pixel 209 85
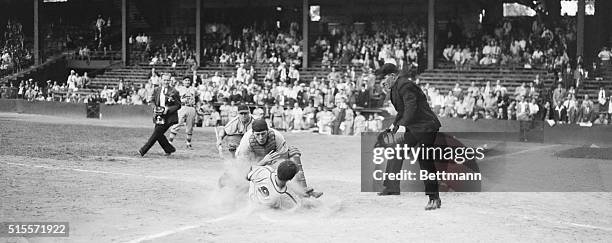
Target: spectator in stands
pixel 585 112
pixel 579 75
pixel 85 80
pixel 457 58
pixel 595 73
pixel 572 109
pixel 601 120
pixel 560 113
pixel 100 24
pixel 448 53
pixel 604 56
pixel 568 77
pixel 558 95
pixel 601 99
pixel 324 120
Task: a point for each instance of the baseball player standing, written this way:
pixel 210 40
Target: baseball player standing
pixel 187 113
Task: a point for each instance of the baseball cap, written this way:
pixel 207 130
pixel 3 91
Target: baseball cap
pixel 243 108
pixel 386 69
pixel 259 125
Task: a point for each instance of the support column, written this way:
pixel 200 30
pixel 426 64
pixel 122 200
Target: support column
pixel 431 33
pixel 198 31
pixel 580 28
pixel 124 38
pixel 305 19
pixel 36 34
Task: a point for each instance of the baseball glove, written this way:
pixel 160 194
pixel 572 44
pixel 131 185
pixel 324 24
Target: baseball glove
pixel 388 138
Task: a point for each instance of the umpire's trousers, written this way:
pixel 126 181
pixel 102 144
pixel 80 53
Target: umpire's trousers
pixel 395 165
pixel 158 136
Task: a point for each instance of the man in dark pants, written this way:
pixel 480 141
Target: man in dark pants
pixel 169 98
pixel 416 122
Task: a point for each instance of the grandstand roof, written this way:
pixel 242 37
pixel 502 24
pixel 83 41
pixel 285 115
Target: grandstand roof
pixel 286 2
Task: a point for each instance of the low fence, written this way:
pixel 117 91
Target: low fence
pixel 76 110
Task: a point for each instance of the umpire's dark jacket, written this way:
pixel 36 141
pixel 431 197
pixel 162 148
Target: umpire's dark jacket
pixel 412 108
pixel 173 103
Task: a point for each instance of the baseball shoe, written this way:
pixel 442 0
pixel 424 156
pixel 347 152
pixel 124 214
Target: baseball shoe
pixel 312 193
pixel 315 194
pixel 433 204
pixel 140 153
pixel 170 153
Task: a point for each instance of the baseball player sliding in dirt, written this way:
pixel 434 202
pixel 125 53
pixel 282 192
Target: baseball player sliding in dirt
pixel 268 187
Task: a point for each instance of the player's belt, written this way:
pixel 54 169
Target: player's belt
pixel 190 105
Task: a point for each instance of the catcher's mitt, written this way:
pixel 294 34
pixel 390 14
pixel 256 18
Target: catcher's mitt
pixel 388 138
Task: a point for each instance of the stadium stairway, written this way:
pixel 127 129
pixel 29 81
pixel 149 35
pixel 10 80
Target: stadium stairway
pixel 591 87
pixel 139 74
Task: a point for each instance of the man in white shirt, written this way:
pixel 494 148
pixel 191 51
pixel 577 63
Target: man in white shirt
pixel 72 80
pixel 601 98
pixel 605 55
pixel 448 53
pixel 533 108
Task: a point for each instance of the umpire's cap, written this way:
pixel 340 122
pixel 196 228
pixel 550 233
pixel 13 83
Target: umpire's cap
pixel 386 69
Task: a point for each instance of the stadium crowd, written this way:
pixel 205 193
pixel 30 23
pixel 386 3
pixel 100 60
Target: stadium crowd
pixel 178 50
pixel 398 42
pixel 330 104
pixel 528 102
pixel 514 42
pixel 84 38
pixel 14 55
pixel 254 46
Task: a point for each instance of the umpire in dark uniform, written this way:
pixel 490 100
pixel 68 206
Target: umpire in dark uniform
pixel 168 98
pixel 416 122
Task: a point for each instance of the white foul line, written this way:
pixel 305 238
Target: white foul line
pixel 181 229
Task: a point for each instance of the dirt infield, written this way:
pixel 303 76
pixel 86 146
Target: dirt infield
pixel 87 172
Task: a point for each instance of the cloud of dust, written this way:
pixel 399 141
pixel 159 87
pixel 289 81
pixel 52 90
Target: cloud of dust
pixel 230 197
pixel 230 193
